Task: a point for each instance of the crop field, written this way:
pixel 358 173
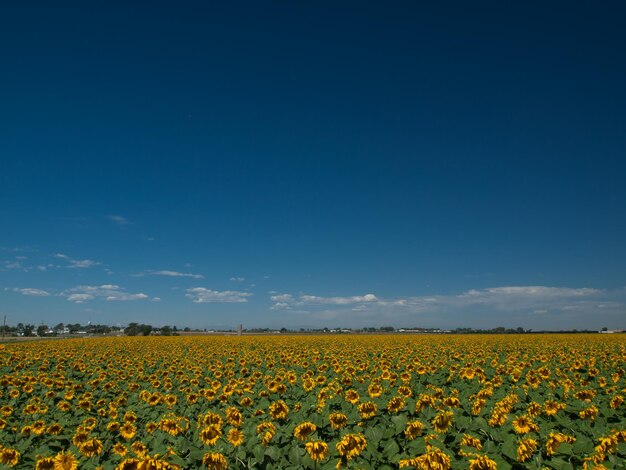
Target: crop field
pixel 315 402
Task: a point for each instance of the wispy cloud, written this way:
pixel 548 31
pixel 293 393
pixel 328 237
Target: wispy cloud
pixel 108 292
pixel 530 306
pixel 287 301
pixel 167 272
pixel 202 295
pixel 118 219
pixel 30 291
pixel 237 279
pixel 76 263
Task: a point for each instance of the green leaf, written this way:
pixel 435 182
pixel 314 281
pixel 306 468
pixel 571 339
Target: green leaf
pixel 509 448
pixel 391 450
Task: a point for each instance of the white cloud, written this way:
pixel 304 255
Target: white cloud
pixel 165 272
pixel 313 299
pixel 80 298
pixel 282 298
pixel 281 306
pixel 528 306
pixel 76 263
pixel 155 299
pixel 108 292
pixel 32 292
pixel 202 295
pixel 237 279
pixel 118 219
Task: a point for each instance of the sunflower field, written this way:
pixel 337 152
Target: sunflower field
pixel 315 402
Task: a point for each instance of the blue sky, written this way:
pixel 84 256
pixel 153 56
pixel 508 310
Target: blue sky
pixel 314 164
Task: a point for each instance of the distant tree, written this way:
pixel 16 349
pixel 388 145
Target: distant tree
pixel 387 328
pixel 166 330
pixel 186 329
pixel 29 329
pixel 41 330
pixel 132 329
pixel 59 327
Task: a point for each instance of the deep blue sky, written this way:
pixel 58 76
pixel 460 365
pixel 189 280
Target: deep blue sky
pixel 274 163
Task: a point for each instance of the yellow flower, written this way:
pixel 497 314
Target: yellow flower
pixel 120 449
pixel 9 456
pixel 352 396
pixel 215 461
pixel 525 449
pixel 317 450
pixel 279 410
pixel 374 390
pixel 351 445
pixel 413 429
pixel 128 431
pixel 395 404
pixel 434 459
pixel 65 461
pixel 91 447
pixel 589 413
pixel 555 440
pixel 483 462
pixel 368 409
pixel 551 407
pixel 523 424
pixel 471 441
pixel 45 463
pixel 210 434
pixel 442 421
pixel 235 437
pixel 337 420
pixel 129 464
pixel 302 431
pixel 616 401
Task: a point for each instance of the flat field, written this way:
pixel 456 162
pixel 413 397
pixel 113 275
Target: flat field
pixel 318 402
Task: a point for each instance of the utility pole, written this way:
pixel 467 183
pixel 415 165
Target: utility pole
pixel 4 326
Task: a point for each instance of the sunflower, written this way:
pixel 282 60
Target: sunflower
pixel 45 463
pixel 55 429
pixel 337 420
pixel 9 456
pixel 555 440
pixel 351 445
pixel 589 413
pixel 139 448
pixel 433 459
pixel 352 396
pixel 525 449
pixel 414 429
pixel 302 431
pixel 65 461
pixel 551 407
pixel 129 464
pixel 215 461
pixel 374 390
pixel 523 424
pixel 368 409
pixel 210 434
pixel 616 402
pixel 171 426
pixel 395 405
pixel 128 430
pixel 317 450
pixel 120 449
pixel 442 421
pixel 234 416
pixel 482 462
pixel 235 437
pixel 279 410
pixel 471 441
pixel 91 447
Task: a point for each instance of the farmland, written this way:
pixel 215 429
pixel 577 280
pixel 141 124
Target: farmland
pixel 318 402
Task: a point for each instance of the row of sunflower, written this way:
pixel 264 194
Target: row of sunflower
pixel 291 402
